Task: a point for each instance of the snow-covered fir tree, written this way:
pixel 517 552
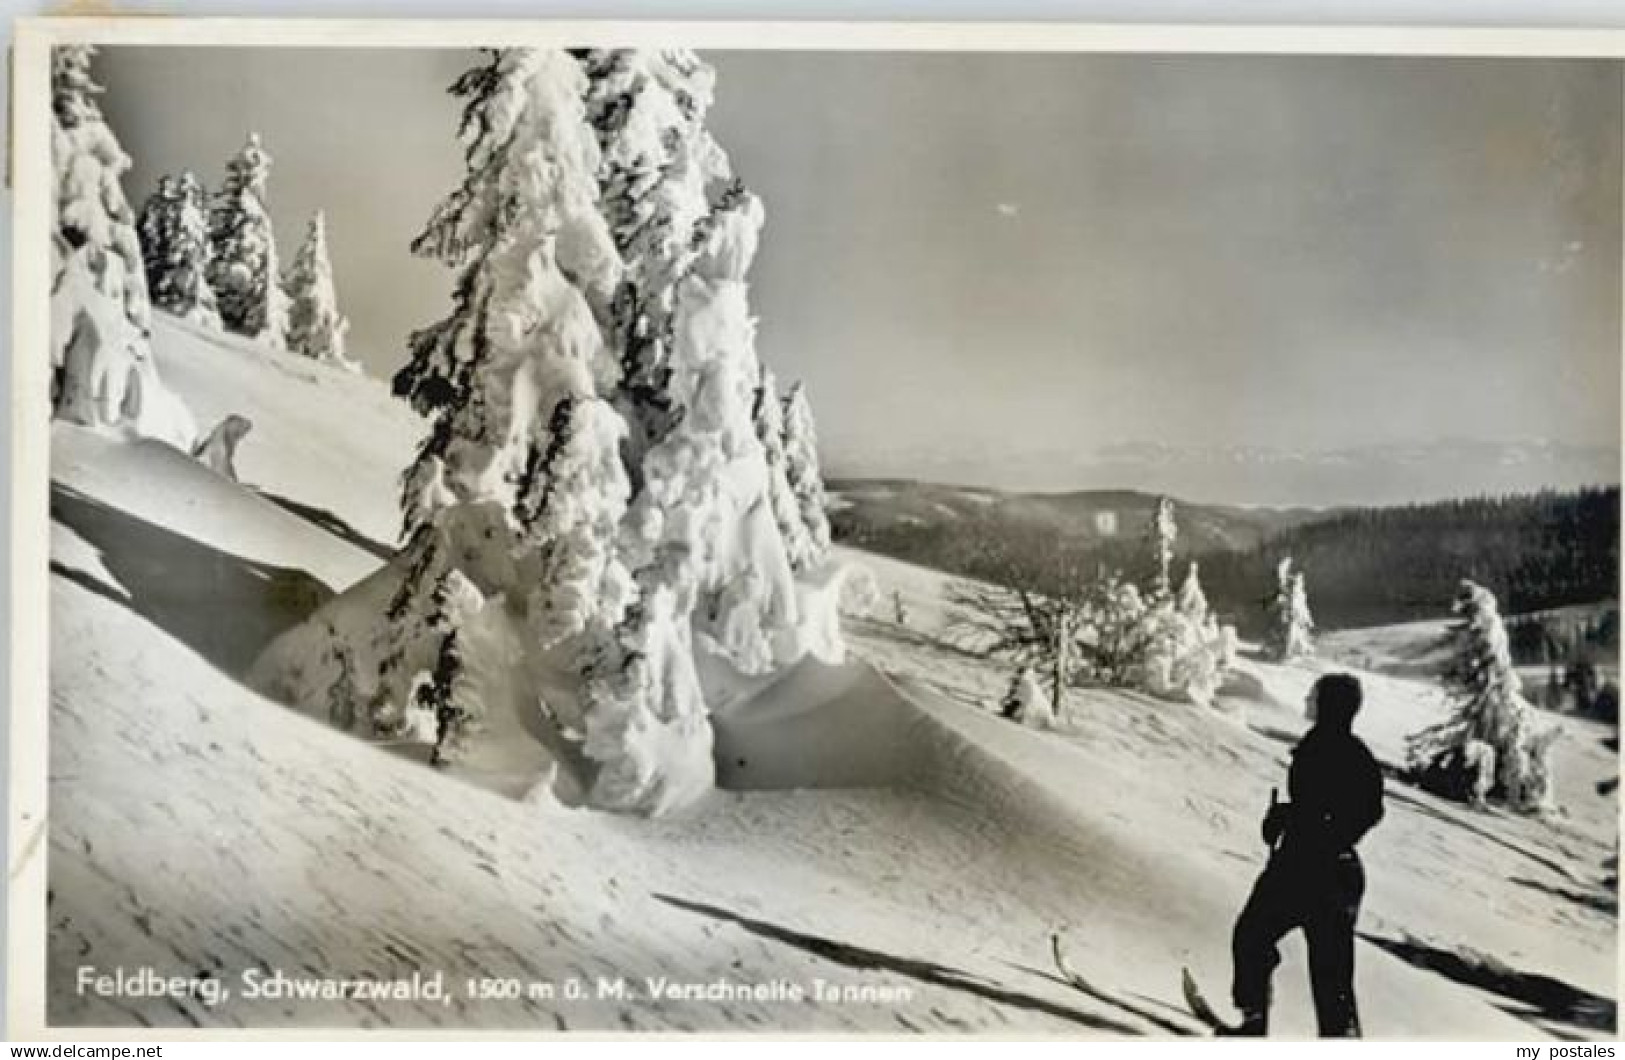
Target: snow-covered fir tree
pixel 803 469
pixel 1185 652
pixel 768 413
pixel 1488 749
pixel 524 444
pixel 1112 628
pixel 515 496
pixel 1192 601
pixel 174 230
pixel 593 471
pixel 315 327
pixel 243 267
pixel 1291 630
pixel 708 533
pixel 1163 533
pixel 103 373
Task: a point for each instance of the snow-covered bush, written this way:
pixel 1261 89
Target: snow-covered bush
pixel 1101 630
pixel 103 374
pixel 243 267
pixel 1291 631
pixel 174 231
pixel 1025 702
pixel 315 326
pixel 1183 659
pixel 1488 749
pixel 1112 630
pixel 1173 648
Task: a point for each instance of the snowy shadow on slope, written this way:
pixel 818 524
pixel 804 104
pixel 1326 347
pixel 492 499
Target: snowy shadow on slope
pixel 1602 900
pixel 1393 790
pixel 1539 998
pixel 224 607
pixel 323 519
pixel 928 972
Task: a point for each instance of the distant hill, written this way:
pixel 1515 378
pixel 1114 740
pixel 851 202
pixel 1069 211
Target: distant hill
pixel 1364 566
pixel 904 515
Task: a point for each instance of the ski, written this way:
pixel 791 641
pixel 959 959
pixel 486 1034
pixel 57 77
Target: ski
pixel 1075 979
pixel 1199 1006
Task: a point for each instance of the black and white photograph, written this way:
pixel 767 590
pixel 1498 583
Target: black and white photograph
pixel 712 533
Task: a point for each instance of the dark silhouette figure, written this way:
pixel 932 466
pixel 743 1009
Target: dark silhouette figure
pixel 1314 879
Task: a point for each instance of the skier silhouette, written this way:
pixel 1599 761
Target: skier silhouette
pixel 1314 879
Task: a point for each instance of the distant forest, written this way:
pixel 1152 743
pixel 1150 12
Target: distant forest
pixel 1364 566
pixel 1375 566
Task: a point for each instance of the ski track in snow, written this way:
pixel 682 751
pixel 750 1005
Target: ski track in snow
pixel 197 828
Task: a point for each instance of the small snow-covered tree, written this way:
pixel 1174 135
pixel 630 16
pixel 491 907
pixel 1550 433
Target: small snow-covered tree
pixel 1180 652
pixel 1192 601
pixel 1488 749
pixel 803 469
pixel 1291 630
pixel 768 413
pixel 315 327
pixel 103 372
pixel 174 230
pixel 1115 627
pixel 243 266
pixel 1163 533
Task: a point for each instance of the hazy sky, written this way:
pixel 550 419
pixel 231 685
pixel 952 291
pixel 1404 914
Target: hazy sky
pixel 992 267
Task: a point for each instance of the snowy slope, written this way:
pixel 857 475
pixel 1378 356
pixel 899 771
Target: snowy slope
pixel 325 441
pixel 880 826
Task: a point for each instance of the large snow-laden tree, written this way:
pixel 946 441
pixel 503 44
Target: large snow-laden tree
pixel 1291 630
pixel 524 447
pixel 316 328
pixel 103 369
pixel 174 231
pixel 711 557
pixel 1488 749
pixel 510 583
pixel 592 492
pixel 243 267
